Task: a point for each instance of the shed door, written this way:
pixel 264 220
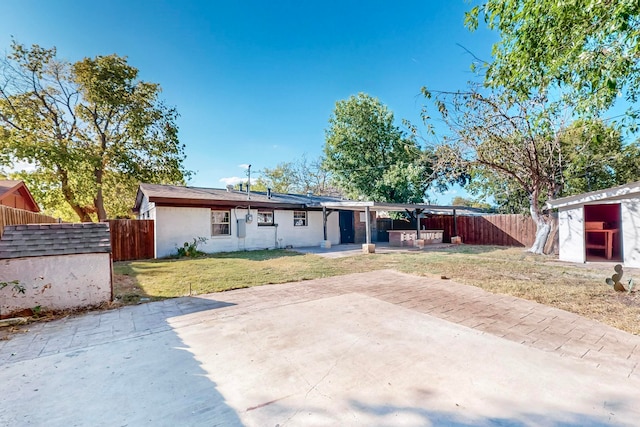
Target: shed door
pixel 347 234
pixel 603 232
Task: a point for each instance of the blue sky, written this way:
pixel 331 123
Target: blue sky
pixel 256 81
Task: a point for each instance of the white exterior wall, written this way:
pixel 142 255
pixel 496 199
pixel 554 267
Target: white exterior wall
pixel 147 210
pixel 176 225
pixel 630 213
pixel 571 234
pixel 56 282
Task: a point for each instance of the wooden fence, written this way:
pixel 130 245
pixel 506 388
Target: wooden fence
pixel 132 239
pixel 13 216
pixel 499 230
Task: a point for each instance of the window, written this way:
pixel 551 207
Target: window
pixel 220 225
pixel 299 218
pixel 265 217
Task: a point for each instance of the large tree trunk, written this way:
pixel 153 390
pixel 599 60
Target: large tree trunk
pixel 67 192
pixel 542 234
pixel 543 225
pixel 99 199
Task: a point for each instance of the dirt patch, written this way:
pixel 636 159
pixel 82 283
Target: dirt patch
pixel 127 291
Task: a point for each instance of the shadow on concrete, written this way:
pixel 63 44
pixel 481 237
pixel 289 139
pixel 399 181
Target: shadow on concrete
pixel 139 373
pixel 382 415
pixel 456 419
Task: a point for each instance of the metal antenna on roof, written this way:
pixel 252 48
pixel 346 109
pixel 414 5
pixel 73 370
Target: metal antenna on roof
pixel 249 182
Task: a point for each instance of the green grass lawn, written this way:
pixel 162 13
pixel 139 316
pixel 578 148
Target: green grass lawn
pixel 577 288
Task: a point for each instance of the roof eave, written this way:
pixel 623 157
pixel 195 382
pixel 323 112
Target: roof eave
pixel 614 193
pixel 16 188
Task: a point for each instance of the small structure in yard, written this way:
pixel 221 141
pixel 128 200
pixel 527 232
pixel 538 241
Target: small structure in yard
pixel 601 225
pixel 15 194
pixel 54 267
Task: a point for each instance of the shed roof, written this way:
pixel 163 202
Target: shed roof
pixel 19 241
pixel 627 191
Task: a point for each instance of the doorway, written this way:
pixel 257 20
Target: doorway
pixel 602 232
pixel 347 234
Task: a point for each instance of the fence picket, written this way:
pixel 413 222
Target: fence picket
pixel 13 216
pixel 132 239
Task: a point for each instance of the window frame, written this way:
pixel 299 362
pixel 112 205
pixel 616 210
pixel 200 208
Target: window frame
pixel 268 212
pixel 305 219
pixel 227 223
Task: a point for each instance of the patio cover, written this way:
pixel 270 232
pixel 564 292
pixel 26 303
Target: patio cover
pixel 418 209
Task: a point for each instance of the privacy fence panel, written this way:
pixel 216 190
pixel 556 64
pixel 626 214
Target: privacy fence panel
pixel 499 230
pixel 13 216
pixel 132 239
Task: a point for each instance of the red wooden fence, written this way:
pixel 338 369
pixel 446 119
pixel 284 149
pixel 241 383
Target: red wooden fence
pixel 132 239
pixel 499 230
pixel 13 216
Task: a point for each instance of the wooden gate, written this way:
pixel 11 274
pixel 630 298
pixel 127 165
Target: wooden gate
pixel 132 239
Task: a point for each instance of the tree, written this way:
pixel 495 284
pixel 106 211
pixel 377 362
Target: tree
pixel 280 179
pixel 92 129
pixel 369 157
pixel 300 176
pixel 588 46
pixel 595 157
pixel 524 152
pixel 516 141
pixel 463 201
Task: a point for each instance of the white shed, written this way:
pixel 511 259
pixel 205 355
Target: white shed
pixel 601 225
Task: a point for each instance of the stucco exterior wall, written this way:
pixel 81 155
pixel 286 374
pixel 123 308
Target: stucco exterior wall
pixel 571 234
pixel 56 282
pixel 177 225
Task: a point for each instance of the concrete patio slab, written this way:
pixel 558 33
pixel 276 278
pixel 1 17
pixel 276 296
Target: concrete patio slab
pixel 374 349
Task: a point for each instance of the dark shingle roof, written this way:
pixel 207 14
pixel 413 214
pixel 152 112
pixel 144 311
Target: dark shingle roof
pixel 31 240
pixel 176 192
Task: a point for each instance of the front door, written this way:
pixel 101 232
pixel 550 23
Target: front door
pixel 347 234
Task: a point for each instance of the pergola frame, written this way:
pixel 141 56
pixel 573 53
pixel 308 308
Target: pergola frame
pixel 413 209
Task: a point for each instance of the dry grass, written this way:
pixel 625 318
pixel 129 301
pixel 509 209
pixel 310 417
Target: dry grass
pixel 577 288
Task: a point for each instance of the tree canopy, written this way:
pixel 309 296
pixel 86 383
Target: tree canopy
pixel 591 47
pixel 369 157
pixel 299 176
pixel 526 151
pixel 92 130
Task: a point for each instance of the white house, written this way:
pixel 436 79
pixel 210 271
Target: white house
pixel 234 220
pixel 601 225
